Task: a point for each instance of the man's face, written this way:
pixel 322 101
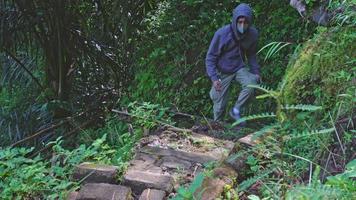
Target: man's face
pixel 242 24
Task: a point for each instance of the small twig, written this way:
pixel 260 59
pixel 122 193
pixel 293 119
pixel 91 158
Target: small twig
pixel 310 173
pixel 337 135
pixel 24 67
pixel 158 121
pixel 332 156
pixel 131 129
pixel 183 114
pixel 195 169
pixel 176 129
pixel 326 165
pixel 148 194
pixel 206 120
pixel 38 133
pixel 64 136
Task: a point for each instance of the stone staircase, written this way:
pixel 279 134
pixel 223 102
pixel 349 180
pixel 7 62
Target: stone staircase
pixel 162 163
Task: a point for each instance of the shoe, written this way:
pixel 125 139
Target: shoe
pixel 235 114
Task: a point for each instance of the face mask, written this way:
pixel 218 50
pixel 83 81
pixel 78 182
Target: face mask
pixel 241 28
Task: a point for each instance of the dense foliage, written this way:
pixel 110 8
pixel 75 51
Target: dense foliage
pixel 22 177
pixel 64 59
pixel 64 66
pixel 173 49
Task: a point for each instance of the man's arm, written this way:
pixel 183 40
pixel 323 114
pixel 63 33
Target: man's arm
pixel 212 57
pixel 252 59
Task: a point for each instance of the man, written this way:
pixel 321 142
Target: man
pixel 225 61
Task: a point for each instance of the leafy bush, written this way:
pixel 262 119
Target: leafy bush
pixel 323 72
pixel 25 178
pixel 300 135
pixel 190 192
pixel 149 115
pixel 340 186
pixel 172 51
pixel 22 177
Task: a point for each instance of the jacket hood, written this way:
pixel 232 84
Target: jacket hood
pixel 242 10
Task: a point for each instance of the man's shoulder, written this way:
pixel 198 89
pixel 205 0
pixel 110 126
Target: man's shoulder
pixel 223 30
pixel 253 32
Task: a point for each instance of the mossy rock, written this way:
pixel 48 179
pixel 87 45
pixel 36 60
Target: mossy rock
pixel 323 73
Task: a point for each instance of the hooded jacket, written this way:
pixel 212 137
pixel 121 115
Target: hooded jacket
pixel 228 46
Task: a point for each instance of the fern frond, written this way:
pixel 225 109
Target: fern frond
pixel 274 47
pixel 263 88
pixel 272 93
pixel 318 191
pixel 247 183
pixel 309 133
pixel 264 130
pixel 263 96
pixel 239 154
pixel 302 107
pixel 252 117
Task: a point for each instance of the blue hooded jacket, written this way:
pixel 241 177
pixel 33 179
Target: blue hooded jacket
pixel 228 46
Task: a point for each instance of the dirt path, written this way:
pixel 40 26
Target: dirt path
pixel 163 162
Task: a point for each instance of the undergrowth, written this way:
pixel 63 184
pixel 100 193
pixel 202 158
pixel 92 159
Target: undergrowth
pixel 25 177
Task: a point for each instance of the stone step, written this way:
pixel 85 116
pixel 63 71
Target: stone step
pixel 248 140
pixel 72 196
pixel 104 191
pixel 182 155
pixel 138 181
pixel 95 173
pixel 212 187
pixel 152 194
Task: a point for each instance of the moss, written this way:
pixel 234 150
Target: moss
pixel 323 69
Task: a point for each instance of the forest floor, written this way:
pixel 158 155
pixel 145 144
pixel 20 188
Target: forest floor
pixel 165 160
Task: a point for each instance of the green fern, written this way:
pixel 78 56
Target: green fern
pixel 274 47
pixel 264 88
pixel 318 191
pixel 252 117
pixel 189 193
pixel 302 107
pixel 269 92
pixel 309 133
pixel 232 158
pixel 264 130
pixel 248 182
pixel 263 96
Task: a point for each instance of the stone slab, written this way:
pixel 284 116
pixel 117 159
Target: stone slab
pixel 213 187
pixel 188 156
pixel 172 162
pixel 152 194
pixel 141 180
pixel 72 196
pixel 104 191
pixel 95 173
pixel 248 140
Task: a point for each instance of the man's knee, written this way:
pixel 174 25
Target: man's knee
pixel 215 96
pixel 253 79
pixel 219 111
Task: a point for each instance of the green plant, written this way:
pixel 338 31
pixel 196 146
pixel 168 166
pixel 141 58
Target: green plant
pixel 274 47
pixel 340 186
pixel 282 141
pixel 190 192
pixel 24 178
pixel 253 163
pixel 149 115
pixel 173 47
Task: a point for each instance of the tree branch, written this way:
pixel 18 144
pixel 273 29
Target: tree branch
pixel 24 67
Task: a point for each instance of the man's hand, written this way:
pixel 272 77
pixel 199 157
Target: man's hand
pixel 217 85
pixel 259 79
